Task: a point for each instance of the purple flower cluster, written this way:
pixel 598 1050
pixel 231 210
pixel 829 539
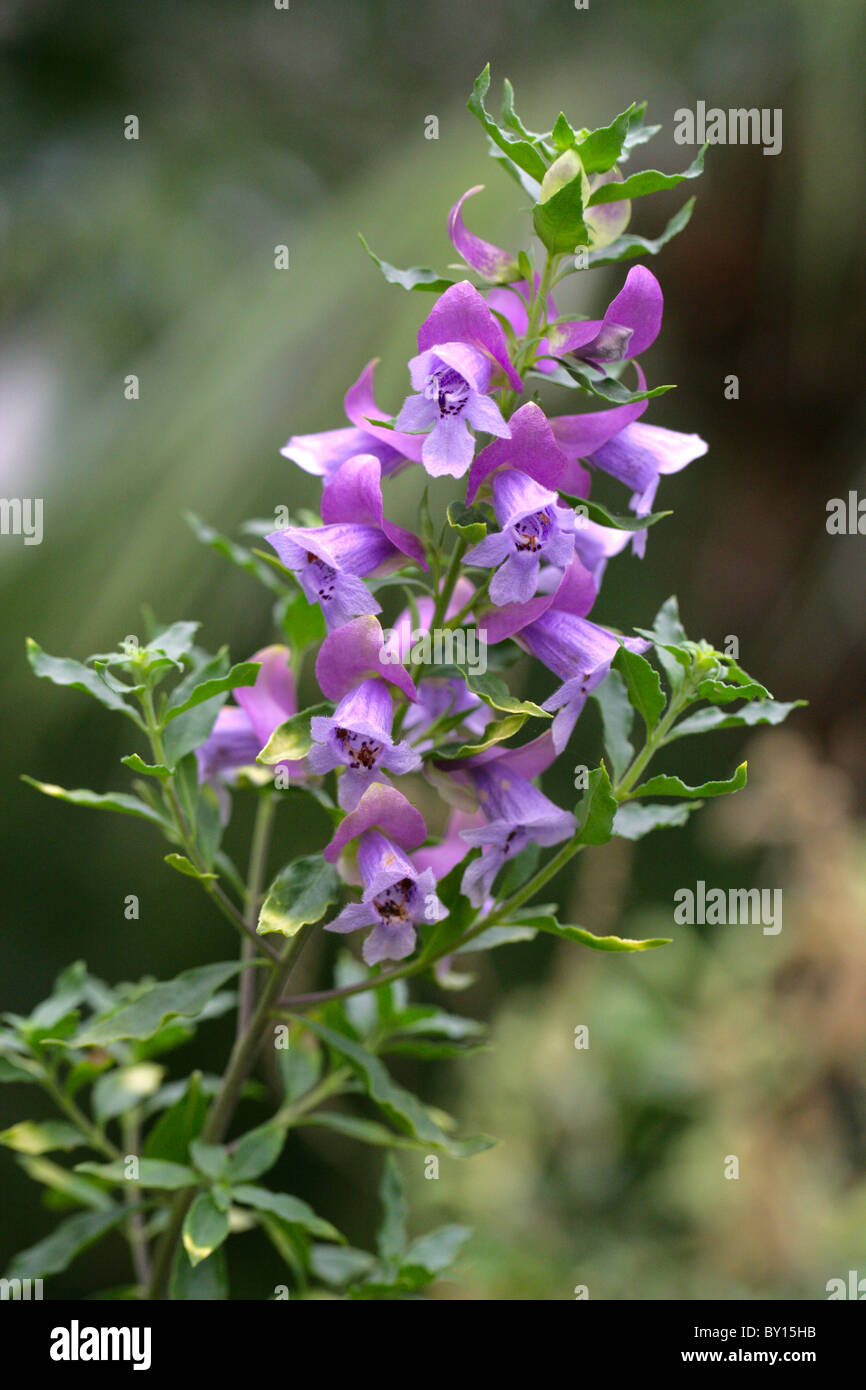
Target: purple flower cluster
pixel 544 565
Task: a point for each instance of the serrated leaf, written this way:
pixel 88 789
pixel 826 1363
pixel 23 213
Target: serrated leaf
pixel 293 739
pixel 642 684
pixel 300 894
pixel 498 731
pixel 519 150
pixel 244 673
pixel 608 388
pixel 759 712
pixel 635 819
pixel 647 181
pixel 143 1016
pixel 601 149
pixel 629 246
pixel 63 671
pixel 417 277
pixel 495 693
pixel 673 786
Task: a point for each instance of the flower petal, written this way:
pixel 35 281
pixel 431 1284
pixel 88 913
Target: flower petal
pixel 384 808
pixel 353 653
pixel 489 261
pixel 460 315
pixel 532 448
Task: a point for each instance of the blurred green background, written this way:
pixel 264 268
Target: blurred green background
pixel 261 127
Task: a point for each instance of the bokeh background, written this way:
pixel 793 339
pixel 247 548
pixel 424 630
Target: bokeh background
pixel 262 127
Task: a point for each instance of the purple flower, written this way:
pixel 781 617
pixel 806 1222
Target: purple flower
pixel 323 453
pixel 460 315
pixel 487 260
pixel 452 381
pixel 532 449
pixel 534 528
pixel 242 730
pixel 356 540
pixel 358 737
pixel 638 455
pixel 396 896
pixel 440 699
pixel 517 814
pixel 630 325
pixel 580 653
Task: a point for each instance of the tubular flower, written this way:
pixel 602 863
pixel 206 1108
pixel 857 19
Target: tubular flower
pixel 323 453
pixel 451 380
pixel 534 528
pixel 242 730
pixel 396 896
pixel 357 737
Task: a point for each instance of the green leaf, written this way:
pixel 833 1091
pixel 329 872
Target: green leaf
pixel 113 801
pixel 236 554
pixel 760 712
pixel 71 1187
pixel 244 673
pixel 673 786
pixel 143 1016
pixel 293 739
pixel 391 1239
pixel 602 148
pixel 403 1109
pixel 207 1282
pixel 210 1159
pixel 562 134
pixel 722 693
pixel 190 729
pixel 629 246
pixel 63 671
pixel 505 935
pixel 178 1126
pixel 596 810
pixel 594 511
pixel 302 622
pixel 617 717
pixel 152 1172
pixel 496 732
pixel 635 819
pixel 184 866
pixel 124 1088
pixel 608 388
pixel 205 1228
pixel 643 685
pixel 519 150
pixel 355 1127
pixel 596 943
pixel 647 181
pixel 291 1209
pixel 137 764
pixel 437 1250
pixel 256 1152
pixel 558 220
pixel 339 1265
pixel 417 277
pixel 495 693
pixel 12 1071
pixel 301 893
pixel 57 1251
pixel 471 522
pixel 42 1137
pixel 175 641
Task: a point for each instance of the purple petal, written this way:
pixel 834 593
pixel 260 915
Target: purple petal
pixel 354 494
pixel 361 407
pixel 353 917
pixel 516 495
pixel 389 941
pixel 353 653
pixel 448 448
pixel 232 743
pixel 532 449
pixel 630 325
pixel 460 315
pixel 385 808
pixel 489 552
pixel 271 701
pixel 485 416
pixel 516 580
pixel 489 261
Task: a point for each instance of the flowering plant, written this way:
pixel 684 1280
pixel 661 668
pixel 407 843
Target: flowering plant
pixel 421 754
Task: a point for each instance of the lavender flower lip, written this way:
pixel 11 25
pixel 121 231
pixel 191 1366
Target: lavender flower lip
pixel 396 898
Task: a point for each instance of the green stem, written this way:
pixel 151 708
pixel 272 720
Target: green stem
pixel 240 1065
pixel 264 821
